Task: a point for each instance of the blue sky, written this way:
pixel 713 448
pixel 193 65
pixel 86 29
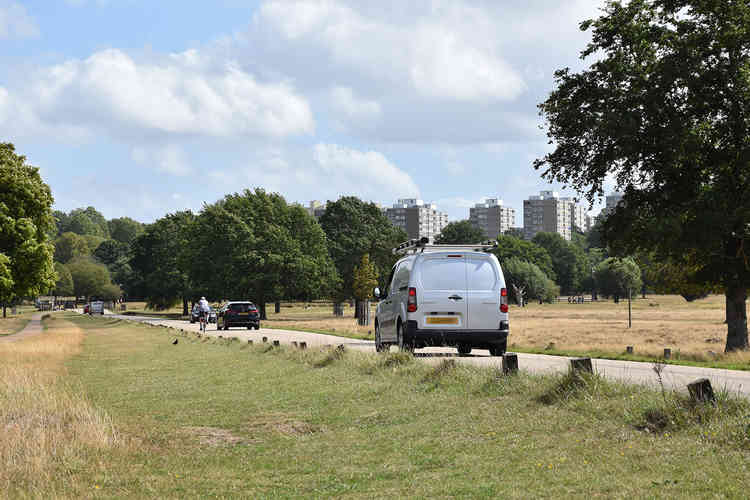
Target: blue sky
pixel 143 108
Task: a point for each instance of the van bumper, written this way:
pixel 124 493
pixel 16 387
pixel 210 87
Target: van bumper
pixel 435 337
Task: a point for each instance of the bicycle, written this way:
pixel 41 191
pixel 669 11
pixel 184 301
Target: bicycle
pixel 204 321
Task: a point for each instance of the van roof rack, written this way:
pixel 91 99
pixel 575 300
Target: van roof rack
pixel 422 244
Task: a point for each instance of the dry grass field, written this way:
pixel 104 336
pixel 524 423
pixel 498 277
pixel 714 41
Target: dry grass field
pixel 692 330
pixel 46 426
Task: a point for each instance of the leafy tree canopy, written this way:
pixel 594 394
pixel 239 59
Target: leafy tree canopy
pixel 70 245
pixel 64 284
pixel 85 221
pixel 512 247
pixel 568 261
pixel 664 109
pixel 365 278
pixel 460 232
pixel 26 267
pixel 89 277
pixel 354 228
pixel 526 277
pixel 615 276
pixel 111 251
pixel 124 229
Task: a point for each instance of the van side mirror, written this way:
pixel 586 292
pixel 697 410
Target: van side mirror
pixel 376 292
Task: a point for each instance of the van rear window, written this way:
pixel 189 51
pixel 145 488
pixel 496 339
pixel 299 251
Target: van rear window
pixel 444 274
pixel 481 274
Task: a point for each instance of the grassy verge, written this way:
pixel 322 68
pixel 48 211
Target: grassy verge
pixel 210 417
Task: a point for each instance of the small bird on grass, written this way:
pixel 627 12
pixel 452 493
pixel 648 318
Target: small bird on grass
pixel 174 342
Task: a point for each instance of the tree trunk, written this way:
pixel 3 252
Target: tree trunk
pixel 736 296
pixel 4 308
pixel 184 306
pixel 277 307
pixel 356 308
pixel 262 305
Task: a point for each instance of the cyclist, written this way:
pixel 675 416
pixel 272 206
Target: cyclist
pixel 204 309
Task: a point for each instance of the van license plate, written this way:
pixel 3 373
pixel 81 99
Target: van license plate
pixel 442 321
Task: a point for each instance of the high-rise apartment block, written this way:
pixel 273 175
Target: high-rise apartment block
pixel 417 218
pixel 549 213
pixel 492 217
pixel 612 201
pixel 316 209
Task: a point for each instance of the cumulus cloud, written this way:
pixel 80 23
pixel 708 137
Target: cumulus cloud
pixel 348 105
pixel 176 95
pixel 15 22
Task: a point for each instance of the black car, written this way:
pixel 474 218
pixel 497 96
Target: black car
pixel 238 313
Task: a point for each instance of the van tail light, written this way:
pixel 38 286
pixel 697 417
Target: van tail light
pixel 504 300
pixel 411 302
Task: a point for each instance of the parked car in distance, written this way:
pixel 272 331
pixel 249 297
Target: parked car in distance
pixel 96 307
pixel 195 314
pixel 238 313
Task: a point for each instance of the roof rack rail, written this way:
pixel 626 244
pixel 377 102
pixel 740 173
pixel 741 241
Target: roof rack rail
pixel 422 244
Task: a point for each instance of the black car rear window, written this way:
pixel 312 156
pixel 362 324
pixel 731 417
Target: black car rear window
pixel 242 307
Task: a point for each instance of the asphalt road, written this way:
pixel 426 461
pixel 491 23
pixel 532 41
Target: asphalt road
pixel 673 376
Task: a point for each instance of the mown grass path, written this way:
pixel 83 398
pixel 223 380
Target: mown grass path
pixel 218 418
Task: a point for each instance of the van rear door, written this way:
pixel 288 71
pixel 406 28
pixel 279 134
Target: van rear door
pixel 483 294
pixel 443 304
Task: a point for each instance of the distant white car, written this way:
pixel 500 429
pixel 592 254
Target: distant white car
pixel 96 307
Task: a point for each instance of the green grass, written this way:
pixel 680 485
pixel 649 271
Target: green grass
pixel 218 418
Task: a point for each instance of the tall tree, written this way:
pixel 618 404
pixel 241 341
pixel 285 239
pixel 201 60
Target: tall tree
pixel 89 277
pixel 354 228
pixel 87 221
pixel 462 232
pixel 156 260
pixel 618 277
pixel 64 284
pixel 70 245
pixel 25 220
pixel 665 111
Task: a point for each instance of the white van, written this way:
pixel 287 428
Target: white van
pixel 96 307
pixel 444 295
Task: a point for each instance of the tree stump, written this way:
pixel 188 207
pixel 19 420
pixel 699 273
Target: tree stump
pixel 276 343
pixel 701 391
pixel 581 365
pixel 277 307
pixel 303 345
pixel 510 363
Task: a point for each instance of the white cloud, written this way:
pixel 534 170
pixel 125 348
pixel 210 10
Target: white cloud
pixel 345 103
pixel 15 22
pixel 170 159
pixel 447 61
pixel 368 174
pixel 175 95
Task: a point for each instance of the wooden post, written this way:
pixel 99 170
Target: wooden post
pixel 667 353
pixel 510 363
pixel 276 343
pixel 581 364
pixel 701 391
pixel 629 349
pixel 294 343
pixel 630 314
pixel 277 307
pixel 303 345
pixel 250 341
pixel 265 339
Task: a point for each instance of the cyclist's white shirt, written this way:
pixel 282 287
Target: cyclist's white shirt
pixel 203 304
